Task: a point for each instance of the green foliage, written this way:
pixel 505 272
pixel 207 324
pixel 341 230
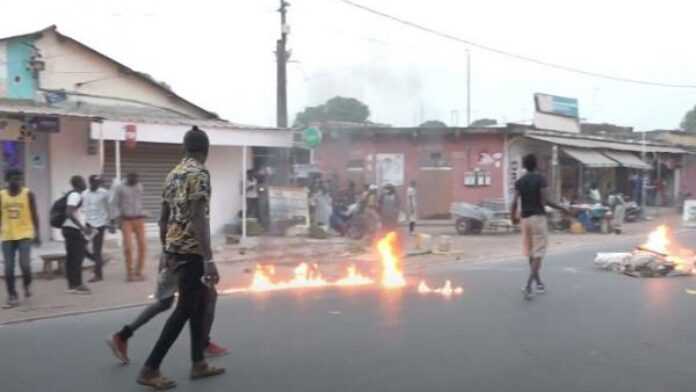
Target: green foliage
pixel 433 124
pixel 688 124
pixel 484 122
pixel 335 109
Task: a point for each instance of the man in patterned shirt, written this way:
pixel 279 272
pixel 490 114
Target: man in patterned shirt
pixel 185 226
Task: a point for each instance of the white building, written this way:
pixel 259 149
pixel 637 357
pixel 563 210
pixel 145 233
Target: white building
pixel 67 109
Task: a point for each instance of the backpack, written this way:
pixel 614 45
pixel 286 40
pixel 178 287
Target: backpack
pixel 59 211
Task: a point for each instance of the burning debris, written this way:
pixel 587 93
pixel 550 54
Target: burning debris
pixel 659 256
pixel 307 275
pixel 446 291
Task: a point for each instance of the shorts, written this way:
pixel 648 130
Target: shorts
pixel 535 236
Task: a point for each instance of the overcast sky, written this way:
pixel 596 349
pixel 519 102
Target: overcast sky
pixel 219 54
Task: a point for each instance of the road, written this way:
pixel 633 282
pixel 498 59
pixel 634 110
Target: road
pixel 592 331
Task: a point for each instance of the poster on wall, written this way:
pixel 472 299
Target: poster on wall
pixel 288 204
pixel 390 169
pixel 689 217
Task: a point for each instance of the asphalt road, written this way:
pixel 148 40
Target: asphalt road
pixel 593 331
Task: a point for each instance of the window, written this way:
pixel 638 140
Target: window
pixel 355 165
pixel 477 178
pixel 434 159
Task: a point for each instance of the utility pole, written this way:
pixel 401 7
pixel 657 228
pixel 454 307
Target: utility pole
pixel 282 56
pixel 468 87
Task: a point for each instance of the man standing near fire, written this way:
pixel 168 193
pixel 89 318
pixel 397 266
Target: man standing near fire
pixel 531 191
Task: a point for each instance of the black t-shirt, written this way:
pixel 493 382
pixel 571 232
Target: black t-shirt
pixel 530 187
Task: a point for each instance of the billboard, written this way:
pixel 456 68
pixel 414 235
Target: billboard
pixel 556 113
pixel 560 106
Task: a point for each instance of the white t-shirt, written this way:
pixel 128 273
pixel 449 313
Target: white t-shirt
pixel 75 200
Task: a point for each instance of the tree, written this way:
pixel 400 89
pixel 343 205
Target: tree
pixel 688 124
pixel 433 124
pixel 335 109
pixel 484 122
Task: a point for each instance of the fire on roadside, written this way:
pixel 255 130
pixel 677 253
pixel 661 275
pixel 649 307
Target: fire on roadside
pixel 446 290
pixel 661 243
pixel 392 276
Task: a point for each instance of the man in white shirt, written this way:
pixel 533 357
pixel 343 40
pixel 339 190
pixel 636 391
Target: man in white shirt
pixel 74 231
pixel 412 207
pixel 95 204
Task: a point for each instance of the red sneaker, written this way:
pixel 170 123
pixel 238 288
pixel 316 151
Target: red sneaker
pixel 119 348
pixel 213 350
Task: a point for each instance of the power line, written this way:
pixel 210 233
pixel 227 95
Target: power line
pixel 510 54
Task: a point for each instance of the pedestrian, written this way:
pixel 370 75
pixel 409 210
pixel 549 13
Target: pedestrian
pixel 75 234
pixel 252 195
pixel 19 226
pixel 97 218
pixel 185 221
pixel 389 208
pixel 167 286
pixel 412 207
pixel 532 193
pixel 128 211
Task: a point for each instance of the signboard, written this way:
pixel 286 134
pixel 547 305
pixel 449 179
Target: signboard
pixel 390 169
pixel 312 137
pixel 131 136
pixel 560 106
pixel 689 217
pixel 288 204
pixel 556 113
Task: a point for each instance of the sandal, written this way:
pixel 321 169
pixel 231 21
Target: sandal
pixel 157 383
pixel 205 371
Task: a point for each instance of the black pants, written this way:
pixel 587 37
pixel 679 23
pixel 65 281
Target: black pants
pixel 75 250
pixel 96 254
pixel 191 307
pixel 164 304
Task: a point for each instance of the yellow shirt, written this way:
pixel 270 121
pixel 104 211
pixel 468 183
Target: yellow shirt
pixel 16 221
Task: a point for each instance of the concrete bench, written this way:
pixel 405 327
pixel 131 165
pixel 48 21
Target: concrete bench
pixel 48 265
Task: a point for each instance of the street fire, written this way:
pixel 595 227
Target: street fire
pixel 392 277
pixel 659 256
pixel 354 278
pixel 447 290
pixel 306 275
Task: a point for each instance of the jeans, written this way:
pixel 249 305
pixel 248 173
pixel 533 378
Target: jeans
pixel 9 251
pixel 75 251
pixel 96 254
pixel 131 228
pixel 164 304
pixel 191 307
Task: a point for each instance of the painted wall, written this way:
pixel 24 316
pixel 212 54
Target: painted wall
pixel 64 58
pixel 16 77
pixel 465 154
pixel 225 166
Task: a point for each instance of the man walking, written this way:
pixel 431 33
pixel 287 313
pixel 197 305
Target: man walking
pixel 19 225
pixel 74 232
pixel 128 210
pixel 531 191
pixel 185 217
pixel 98 219
pixel 252 195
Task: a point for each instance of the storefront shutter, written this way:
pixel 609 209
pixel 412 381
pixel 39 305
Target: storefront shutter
pixel 152 162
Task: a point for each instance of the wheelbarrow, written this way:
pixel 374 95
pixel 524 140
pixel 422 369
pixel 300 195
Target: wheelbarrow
pixel 474 219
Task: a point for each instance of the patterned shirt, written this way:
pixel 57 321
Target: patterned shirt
pixel 188 181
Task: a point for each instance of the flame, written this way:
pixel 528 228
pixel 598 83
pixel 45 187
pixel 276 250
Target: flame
pixel 392 276
pixel 262 278
pixel 354 278
pixel 446 290
pixel 658 240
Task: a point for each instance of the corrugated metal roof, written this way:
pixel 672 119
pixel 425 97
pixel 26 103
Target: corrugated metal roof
pixel 126 113
pixel 604 144
pixel 590 158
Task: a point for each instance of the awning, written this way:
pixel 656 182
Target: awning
pixel 230 135
pixel 590 158
pixel 626 159
pixel 605 144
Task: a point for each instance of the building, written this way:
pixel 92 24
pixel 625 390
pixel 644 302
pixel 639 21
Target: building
pixel 478 165
pixel 68 109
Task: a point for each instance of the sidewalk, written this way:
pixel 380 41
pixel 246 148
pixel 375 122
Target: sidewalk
pixel 236 264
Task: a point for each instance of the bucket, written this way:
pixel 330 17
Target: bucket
pixel 444 244
pixel 424 241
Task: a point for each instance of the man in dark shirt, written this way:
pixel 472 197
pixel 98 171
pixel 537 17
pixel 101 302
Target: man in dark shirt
pixel 185 227
pixel 531 191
